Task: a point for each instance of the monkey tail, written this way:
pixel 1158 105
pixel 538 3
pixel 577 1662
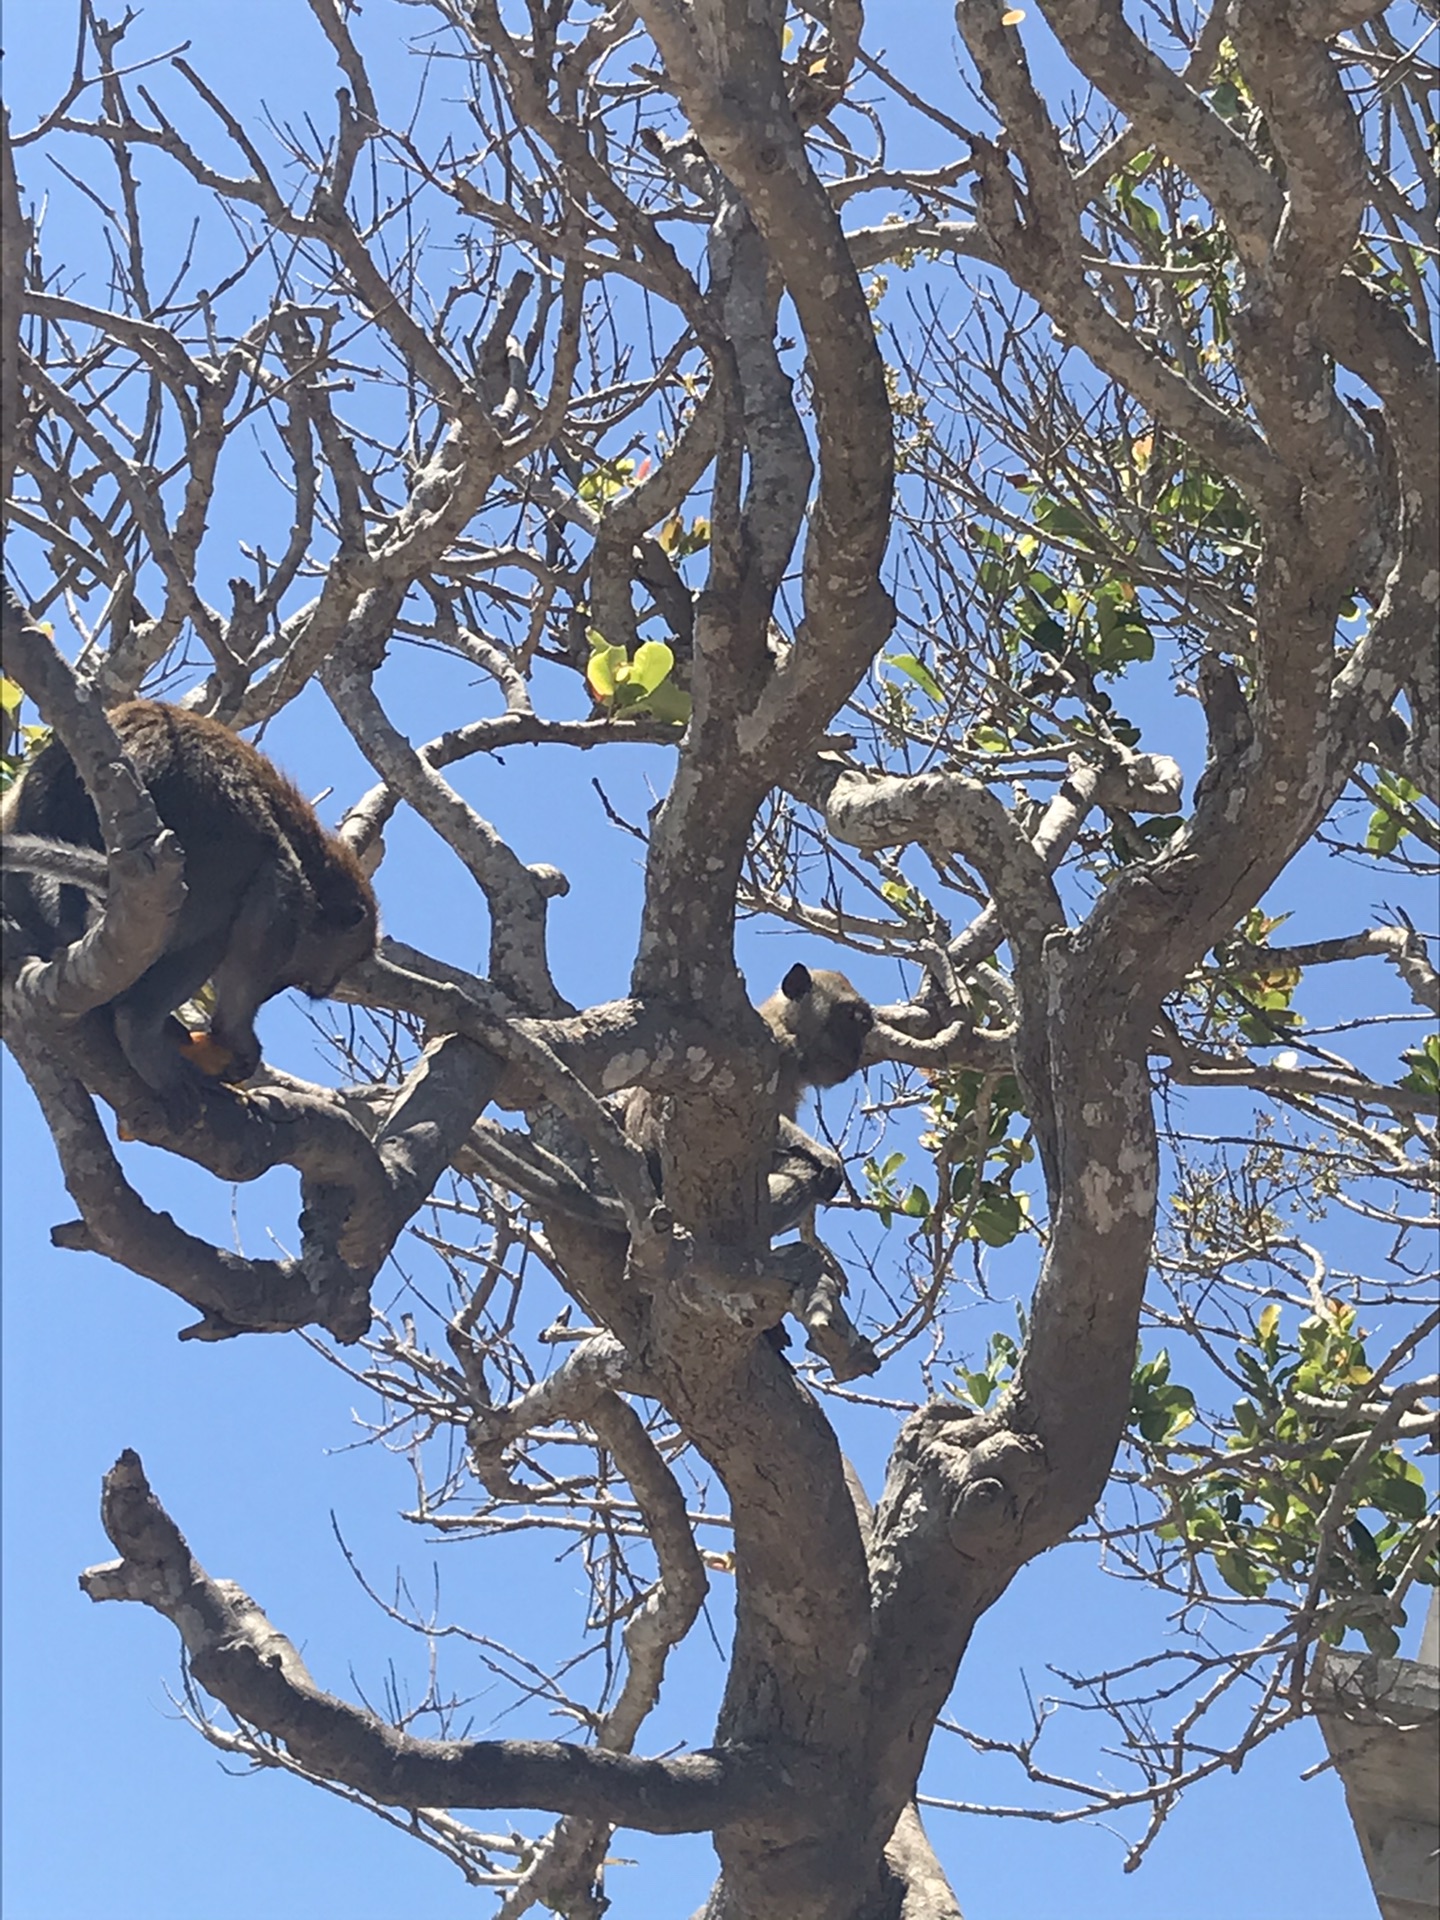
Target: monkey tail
pixel 57 860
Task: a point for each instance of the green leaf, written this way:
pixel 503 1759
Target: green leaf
pixel 606 669
pixel 1266 1336
pixel 608 479
pixel 900 895
pixel 1363 1541
pixel 1124 635
pixel 1380 1637
pixel 917 671
pixel 1062 522
pixel 1402 1490
pixel 1252 1371
pixel 1384 832
pixel 979 1386
pixel 1159 1409
pixel 1048 635
pixel 1160 829
pixel 997 1218
pixel 1391 821
pixel 1173 1409
pixel 667 702
pixel 680 541
pixel 1424 1074
pixel 1242 1574
pixel 652 663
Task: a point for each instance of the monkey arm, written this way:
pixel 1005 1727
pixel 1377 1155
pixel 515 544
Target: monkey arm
pixel 255 957
pixel 804 1174
pixel 817 1282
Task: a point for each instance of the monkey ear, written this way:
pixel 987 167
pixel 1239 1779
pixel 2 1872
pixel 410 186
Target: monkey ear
pixel 797 982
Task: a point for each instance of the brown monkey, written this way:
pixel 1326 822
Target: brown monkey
pixel 821 1024
pixel 272 900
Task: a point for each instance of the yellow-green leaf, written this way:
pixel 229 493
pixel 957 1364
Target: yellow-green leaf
pixel 608 668
pixel 652 663
pixel 917 671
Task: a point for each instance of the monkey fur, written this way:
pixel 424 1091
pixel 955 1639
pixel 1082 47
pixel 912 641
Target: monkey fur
pixel 820 1024
pixel 76 866
pixel 272 900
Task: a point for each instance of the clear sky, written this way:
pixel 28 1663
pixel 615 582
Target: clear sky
pixel 112 1804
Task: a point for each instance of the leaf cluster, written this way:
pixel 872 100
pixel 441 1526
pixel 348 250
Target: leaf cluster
pixel 1307 1499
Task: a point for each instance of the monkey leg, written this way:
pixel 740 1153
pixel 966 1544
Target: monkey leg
pixel 148 1034
pixel 258 960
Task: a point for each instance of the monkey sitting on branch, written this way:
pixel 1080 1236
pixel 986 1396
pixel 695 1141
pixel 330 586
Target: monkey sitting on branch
pixel 820 1023
pixel 271 899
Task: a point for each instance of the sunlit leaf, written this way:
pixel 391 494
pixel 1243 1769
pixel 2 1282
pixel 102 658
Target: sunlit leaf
pixel 917 671
pixel 606 668
pixel 652 663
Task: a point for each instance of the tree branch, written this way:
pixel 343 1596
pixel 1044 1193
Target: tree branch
pixel 253 1670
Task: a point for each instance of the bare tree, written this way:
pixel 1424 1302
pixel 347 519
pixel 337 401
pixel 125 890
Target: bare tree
pixel 1155 373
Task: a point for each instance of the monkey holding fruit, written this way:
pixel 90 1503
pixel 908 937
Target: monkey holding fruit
pixel 271 899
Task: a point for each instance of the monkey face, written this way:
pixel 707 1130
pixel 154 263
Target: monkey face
pixel 822 1024
pixel 325 953
pixel 847 1029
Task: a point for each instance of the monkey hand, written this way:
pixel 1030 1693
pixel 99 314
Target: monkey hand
pixel 209 1055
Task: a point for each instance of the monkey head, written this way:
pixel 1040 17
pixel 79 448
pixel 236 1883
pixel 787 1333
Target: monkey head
pixel 821 1024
